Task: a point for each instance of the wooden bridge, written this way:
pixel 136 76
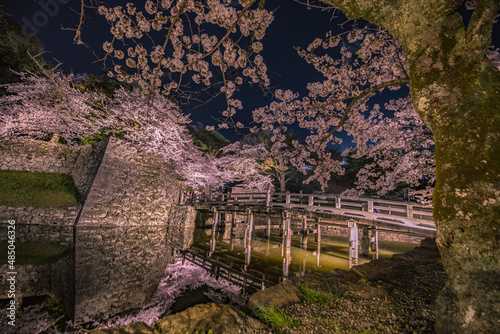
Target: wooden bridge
pixel 398 216
pixel 231 269
pixel 306 214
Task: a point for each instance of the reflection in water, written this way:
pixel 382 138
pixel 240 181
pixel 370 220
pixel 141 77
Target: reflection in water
pixel 282 254
pixel 107 270
pixel 117 268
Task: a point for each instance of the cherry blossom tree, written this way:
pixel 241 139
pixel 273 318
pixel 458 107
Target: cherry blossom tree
pixel 425 45
pixel 241 163
pixel 39 107
pixel 273 156
pixel 186 59
pixel 455 91
pixel 400 145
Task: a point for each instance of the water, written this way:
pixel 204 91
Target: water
pixel 107 270
pixel 271 256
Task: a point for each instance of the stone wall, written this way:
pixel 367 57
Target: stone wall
pixel 46 157
pixel 180 230
pixel 119 184
pixel 120 235
pixel 86 165
pixel 40 224
pixel 382 236
pixel 117 268
pixel 37 156
pixel 31 280
pixel 131 187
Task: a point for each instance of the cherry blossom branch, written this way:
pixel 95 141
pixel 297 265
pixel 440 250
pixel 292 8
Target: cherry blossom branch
pixel 167 39
pixel 361 96
pixel 226 36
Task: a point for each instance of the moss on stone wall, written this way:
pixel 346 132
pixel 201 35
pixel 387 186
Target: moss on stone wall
pixel 19 188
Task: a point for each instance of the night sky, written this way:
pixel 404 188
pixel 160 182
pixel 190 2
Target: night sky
pixel 293 25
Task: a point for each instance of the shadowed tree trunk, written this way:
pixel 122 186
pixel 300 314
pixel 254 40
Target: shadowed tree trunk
pixel 456 91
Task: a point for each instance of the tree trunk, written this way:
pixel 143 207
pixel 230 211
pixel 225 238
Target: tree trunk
pixel 282 179
pixel 456 91
pixel 467 199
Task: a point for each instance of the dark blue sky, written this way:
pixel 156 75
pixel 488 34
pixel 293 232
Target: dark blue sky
pixel 293 25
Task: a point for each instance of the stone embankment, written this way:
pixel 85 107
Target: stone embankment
pixel 393 295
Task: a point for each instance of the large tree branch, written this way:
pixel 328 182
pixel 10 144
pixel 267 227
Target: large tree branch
pixel 481 25
pixel 370 10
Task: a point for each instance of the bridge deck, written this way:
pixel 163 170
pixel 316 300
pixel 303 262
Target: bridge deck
pixel 393 215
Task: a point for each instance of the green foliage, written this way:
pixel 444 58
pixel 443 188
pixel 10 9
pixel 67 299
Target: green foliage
pixel 33 252
pixel 317 296
pixel 14 47
pixel 275 318
pixel 52 306
pixel 19 188
pixel 209 142
pixel 363 280
pixel 100 84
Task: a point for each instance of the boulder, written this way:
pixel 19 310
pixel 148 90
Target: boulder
pixel 133 328
pixel 277 296
pixel 219 318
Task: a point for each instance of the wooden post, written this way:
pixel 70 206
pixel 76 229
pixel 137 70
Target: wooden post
pixel 303 238
pixel 374 241
pixel 182 199
pixel 287 201
pixel 318 230
pixel 288 231
pixel 214 228
pixel 233 222
pixel 248 253
pixel 353 241
pixel 250 221
pixel 338 204
pixel 365 241
pixel 268 228
pixel 311 200
pixel 283 222
pixel 409 211
pixel 287 259
pixel 318 239
pixel 268 196
pixel 370 206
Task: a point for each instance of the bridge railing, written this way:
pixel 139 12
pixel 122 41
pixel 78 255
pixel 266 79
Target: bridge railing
pixel 317 202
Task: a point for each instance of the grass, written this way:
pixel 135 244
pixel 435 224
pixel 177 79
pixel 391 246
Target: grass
pixel 317 296
pixel 20 188
pixel 33 253
pixel 275 318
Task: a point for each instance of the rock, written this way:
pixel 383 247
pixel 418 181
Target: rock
pixel 276 296
pixel 133 328
pixel 369 291
pixel 219 318
pixel 375 269
pixel 429 243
